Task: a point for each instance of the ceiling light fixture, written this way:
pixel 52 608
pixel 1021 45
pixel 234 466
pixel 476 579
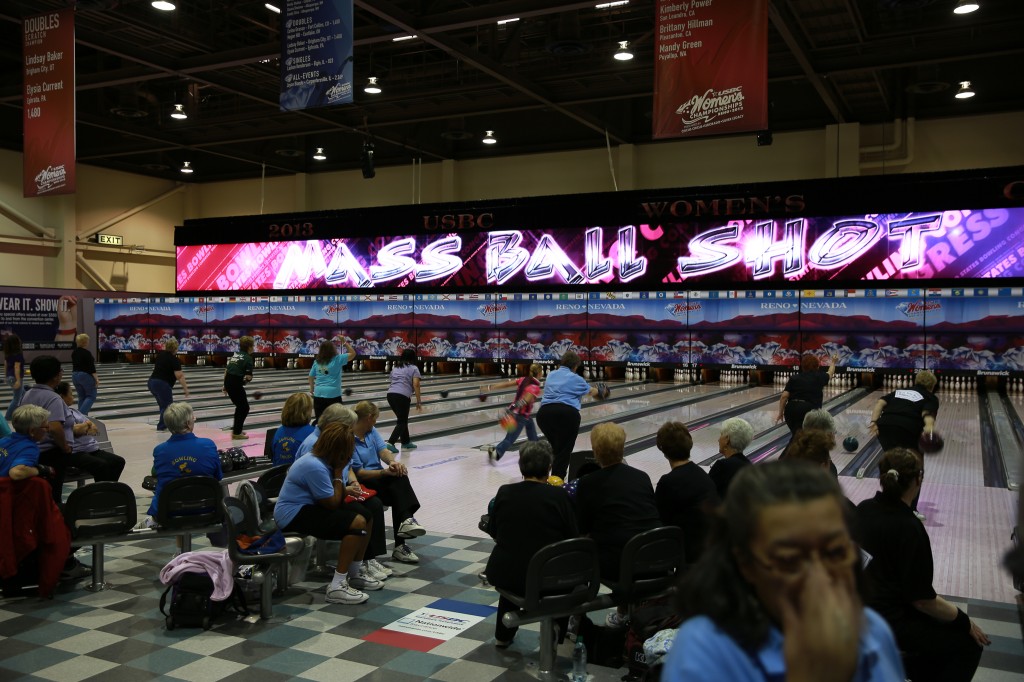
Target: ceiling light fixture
pixel 489 138
pixel 966 7
pixel 502 22
pixel 609 5
pixel 273 8
pixel 187 168
pixel 179 112
pixel 401 38
pixel 163 5
pixel 372 87
pixel 965 91
pixel 320 156
pixel 623 54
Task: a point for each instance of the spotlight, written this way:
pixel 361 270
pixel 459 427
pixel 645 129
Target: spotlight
pixel 764 138
pixel 179 112
pixel 965 91
pixel 966 7
pixel 163 5
pixel 489 138
pixel 320 156
pixel 187 168
pixel 372 87
pixel 623 54
pixel 273 8
pixel 366 159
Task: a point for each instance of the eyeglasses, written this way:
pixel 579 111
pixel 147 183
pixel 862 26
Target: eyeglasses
pixel 791 565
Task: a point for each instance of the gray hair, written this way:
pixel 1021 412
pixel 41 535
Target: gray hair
pixel 179 418
pixel 337 413
pixel 739 432
pixel 535 458
pixel 819 420
pixel 28 417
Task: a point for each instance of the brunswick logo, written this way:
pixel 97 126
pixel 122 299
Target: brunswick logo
pixel 711 107
pixel 51 178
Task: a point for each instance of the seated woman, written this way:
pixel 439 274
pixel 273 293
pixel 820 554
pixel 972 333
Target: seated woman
pixel 377 467
pixel 312 502
pixel 939 641
pixel 774 595
pixel 19 451
pixel 183 454
pixel 525 517
pixel 686 496
pixel 85 451
pixel 295 427
pixel 614 505
pixel 733 439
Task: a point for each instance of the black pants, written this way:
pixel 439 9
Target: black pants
pixel 378 539
pixel 400 405
pixel 900 435
pixel 321 404
pixel 795 412
pixel 397 493
pixel 103 465
pixel 560 424
pixel 58 459
pixel 936 651
pixel 235 387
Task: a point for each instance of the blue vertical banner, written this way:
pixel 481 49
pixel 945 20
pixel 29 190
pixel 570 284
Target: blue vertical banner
pixel 316 54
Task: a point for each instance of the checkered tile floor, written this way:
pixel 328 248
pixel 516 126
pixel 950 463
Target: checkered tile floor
pixel 119 634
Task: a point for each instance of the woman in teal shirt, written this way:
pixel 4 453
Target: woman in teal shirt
pixel 325 375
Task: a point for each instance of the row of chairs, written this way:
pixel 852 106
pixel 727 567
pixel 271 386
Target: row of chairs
pixel 564 579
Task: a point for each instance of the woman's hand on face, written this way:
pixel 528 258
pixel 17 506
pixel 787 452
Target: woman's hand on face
pixel 821 626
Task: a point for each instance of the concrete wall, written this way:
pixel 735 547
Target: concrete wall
pixel 837 151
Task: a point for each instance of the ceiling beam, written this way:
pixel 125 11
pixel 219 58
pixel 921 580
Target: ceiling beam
pixel 456 48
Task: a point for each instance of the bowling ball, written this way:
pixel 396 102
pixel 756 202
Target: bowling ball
pixel 851 444
pixel 444 394
pixel 931 443
pixel 482 397
pixel 556 480
pixel 507 421
pixel 348 392
pixel 257 395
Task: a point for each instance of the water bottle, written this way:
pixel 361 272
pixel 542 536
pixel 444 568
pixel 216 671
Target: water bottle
pixel 579 661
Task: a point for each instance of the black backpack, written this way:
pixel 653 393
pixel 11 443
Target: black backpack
pixel 191 606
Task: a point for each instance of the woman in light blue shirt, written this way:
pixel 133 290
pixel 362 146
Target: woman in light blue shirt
pixel 559 414
pixel 774 597
pixel 325 375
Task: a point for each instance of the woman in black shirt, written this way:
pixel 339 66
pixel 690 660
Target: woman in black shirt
pixel 901 417
pixel 526 517
pixel 803 391
pixel 166 370
pixel 940 643
pixel 83 374
pixel 686 496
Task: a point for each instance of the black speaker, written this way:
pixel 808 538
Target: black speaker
pixel 764 138
pixel 366 160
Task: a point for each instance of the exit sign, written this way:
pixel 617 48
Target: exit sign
pixel 112 239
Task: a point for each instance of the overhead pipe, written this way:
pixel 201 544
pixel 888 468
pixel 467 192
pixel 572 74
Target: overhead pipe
pixel 904 159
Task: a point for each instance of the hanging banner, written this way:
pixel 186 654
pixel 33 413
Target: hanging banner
pixel 316 54
pixel 711 67
pixel 49 109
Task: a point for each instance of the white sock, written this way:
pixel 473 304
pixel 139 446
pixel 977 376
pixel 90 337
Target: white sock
pixel 339 579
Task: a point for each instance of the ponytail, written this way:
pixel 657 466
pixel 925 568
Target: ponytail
pixel 897 471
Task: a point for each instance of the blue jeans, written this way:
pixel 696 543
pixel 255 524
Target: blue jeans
pixel 85 387
pixel 16 398
pixel 164 394
pixel 510 438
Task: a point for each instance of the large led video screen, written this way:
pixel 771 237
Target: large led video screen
pixel 643 254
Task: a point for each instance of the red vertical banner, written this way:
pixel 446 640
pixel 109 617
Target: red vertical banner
pixel 49 105
pixel 711 67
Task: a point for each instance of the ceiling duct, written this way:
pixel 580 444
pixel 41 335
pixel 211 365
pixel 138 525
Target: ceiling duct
pixel 564 35
pixel 134 103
